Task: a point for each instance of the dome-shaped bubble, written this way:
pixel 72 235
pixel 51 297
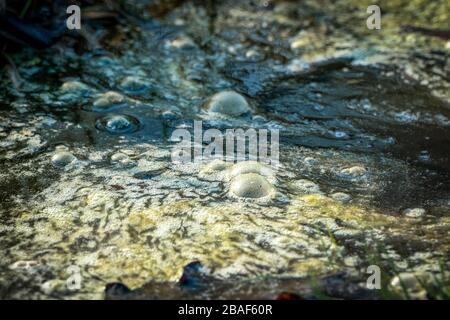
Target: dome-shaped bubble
pixel 107 101
pixel 119 123
pixel 251 185
pixel 135 85
pixel 62 158
pixel 228 103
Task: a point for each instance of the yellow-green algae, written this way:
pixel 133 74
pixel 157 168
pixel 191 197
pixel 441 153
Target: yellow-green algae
pixel 229 239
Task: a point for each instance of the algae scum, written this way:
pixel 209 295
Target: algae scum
pixel 88 188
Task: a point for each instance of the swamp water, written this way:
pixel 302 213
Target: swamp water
pixel 87 181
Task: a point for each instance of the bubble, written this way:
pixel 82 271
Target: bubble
pixel 169 115
pixel 228 103
pixel 340 134
pixel 118 157
pixel 75 87
pixel 249 167
pixel 414 213
pixel 353 173
pixel 305 186
pixel 251 185
pixel 259 118
pixel 107 101
pixel 119 123
pixel 218 165
pixel 61 147
pixel 341 197
pixel 62 158
pixel 183 42
pixel 214 170
pixel 310 161
pixel 24 265
pixel 122 159
pixel 135 85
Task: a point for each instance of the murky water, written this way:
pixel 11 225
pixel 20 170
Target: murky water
pixel 87 178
